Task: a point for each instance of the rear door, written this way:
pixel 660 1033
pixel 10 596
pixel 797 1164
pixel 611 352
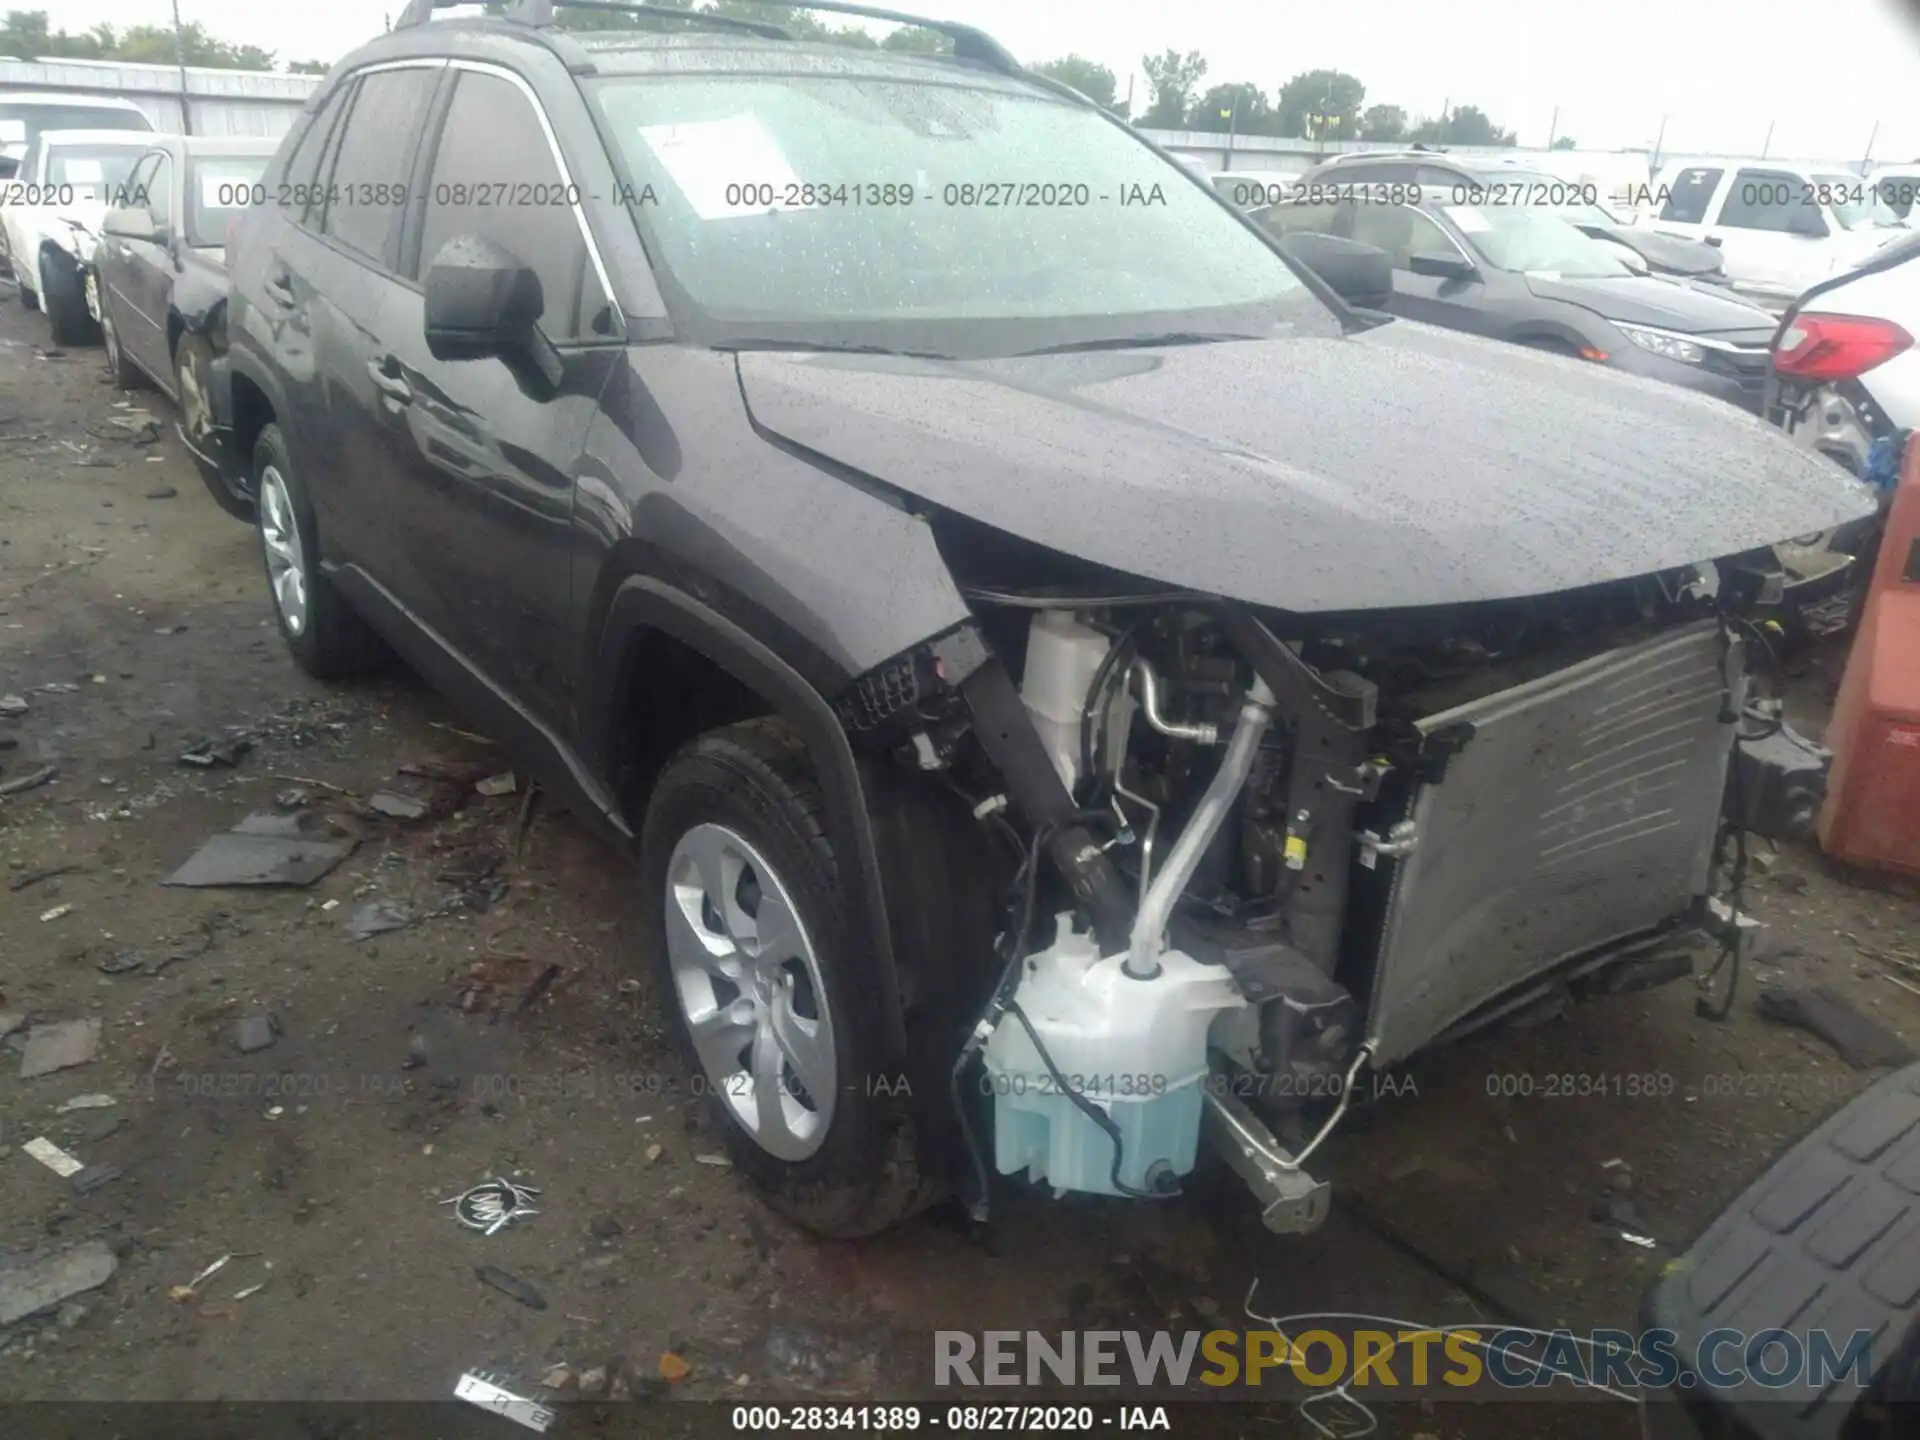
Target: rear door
pixel 147 267
pixel 334 271
pixel 129 268
pixel 477 457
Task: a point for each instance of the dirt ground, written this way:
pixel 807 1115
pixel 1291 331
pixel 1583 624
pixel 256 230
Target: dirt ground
pixel 134 621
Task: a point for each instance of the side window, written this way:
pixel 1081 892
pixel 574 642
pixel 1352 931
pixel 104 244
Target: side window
pixel 296 184
pixel 366 193
pixel 1689 196
pixel 1299 218
pixel 160 191
pixel 1401 231
pixel 137 193
pixel 1446 179
pixel 1385 173
pixel 495 177
pixel 1764 200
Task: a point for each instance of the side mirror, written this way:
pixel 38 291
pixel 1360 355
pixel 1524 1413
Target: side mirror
pixel 131 225
pixel 1808 222
pixel 1359 274
pixel 482 301
pixel 1443 267
pixel 9 167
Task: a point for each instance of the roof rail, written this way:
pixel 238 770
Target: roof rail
pixel 968 42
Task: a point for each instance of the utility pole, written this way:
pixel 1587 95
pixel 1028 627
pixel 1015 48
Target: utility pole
pixel 1767 144
pixel 1553 127
pixel 1653 166
pixel 1866 160
pixel 180 58
pixel 1233 120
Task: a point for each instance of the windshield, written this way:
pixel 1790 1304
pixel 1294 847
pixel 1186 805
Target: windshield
pixel 21 124
pixel 1534 241
pixel 1897 193
pixel 975 219
pixel 90 174
pixel 218 190
pixel 1856 206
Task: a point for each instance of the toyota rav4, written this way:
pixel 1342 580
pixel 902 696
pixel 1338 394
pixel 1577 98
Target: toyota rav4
pixel 1074 686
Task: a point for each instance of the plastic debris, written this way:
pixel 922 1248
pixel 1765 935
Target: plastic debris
pixel 59 1047
pixel 53 1157
pixel 492 1205
pixel 180 1294
pixel 718 1161
pixel 12 706
pixel 673 1369
pixel 396 807
pixel 256 1032
pixel 29 782
pixel 510 1285
pixel 1645 1242
pixel 216 754
pixel 495 786
pixel 251 1290
pixel 93 1177
pixel 248 857
pixel 86 1102
pixel 489 1394
pixel 58 912
pixel 378 917
pixel 41 1285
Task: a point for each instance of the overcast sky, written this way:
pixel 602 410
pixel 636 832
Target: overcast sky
pixel 1721 70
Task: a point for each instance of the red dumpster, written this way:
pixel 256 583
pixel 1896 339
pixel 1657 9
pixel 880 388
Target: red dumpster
pixel 1872 812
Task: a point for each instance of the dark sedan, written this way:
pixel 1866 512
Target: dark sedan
pixel 1525 274
pixel 161 282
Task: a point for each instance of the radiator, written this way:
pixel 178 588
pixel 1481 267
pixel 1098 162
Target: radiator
pixel 1581 813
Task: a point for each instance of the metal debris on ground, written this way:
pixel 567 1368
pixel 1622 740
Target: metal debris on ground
pixel 12 706
pixel 294 798
pixel 719 1161
pixel 58 912
pixel 1645 1242
pixel 30 782
pixel 36 1285
pixel 493 1205
pixel 494 786
pixel 53 1157
pixel 510 1285
pixel 256 1032
pixel 250 1291
pixel 180 1294
pixel 396 807
pixel 37 877
pixel 86 1102
pixel 379 917
pixel 125 963
pixel 1861 1041
pixel 248 856
pixel 59 1046
pixel 93 1177
pixel 216 754
pixel 486 1392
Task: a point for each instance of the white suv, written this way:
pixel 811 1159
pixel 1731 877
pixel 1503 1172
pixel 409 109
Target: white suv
pixel 1781 228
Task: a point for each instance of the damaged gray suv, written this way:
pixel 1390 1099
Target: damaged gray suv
pixel 1079 693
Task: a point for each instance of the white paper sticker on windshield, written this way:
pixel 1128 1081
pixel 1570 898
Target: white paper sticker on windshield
pixel 13 132
pixel 1468 218
pixel 80 171
pixel 725 168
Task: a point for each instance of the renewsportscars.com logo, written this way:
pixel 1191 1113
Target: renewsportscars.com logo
pixel 1615 1362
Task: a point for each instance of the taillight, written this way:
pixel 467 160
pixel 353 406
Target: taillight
pixel 1836 347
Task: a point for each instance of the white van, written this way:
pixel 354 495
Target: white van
pixel 1782 227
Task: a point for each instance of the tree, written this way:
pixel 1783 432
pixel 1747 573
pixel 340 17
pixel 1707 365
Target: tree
pixel 1464 125
pixel 1320 104
pixel 1565 142
pixel 1174 77
pixel 1245 103
pixel 26 34
pixel 157 45
pixel 1092 80
pixel 1383 122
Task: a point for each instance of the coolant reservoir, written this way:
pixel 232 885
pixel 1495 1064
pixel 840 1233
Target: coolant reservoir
pixel 1137 1049
pixel 1063 657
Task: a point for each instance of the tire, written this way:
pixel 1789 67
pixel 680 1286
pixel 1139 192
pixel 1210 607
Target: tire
pixel 193 385
pixel 65 302
pixel 841 1167
pixel 327 639
pixel 123 372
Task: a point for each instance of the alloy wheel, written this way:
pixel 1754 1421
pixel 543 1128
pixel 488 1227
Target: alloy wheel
pixel 286 555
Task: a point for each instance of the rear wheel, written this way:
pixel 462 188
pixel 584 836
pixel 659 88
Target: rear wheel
pixel 126 375
pixel 770 985
pixel 328 640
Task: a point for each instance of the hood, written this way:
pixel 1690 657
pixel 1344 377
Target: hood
pixel 1405 466
pixel 1665 304
pixel 1669 253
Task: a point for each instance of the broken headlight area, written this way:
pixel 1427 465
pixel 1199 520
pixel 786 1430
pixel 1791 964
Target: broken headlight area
pixel 1252 854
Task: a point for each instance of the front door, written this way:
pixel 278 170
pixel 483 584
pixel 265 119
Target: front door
pixel 478 456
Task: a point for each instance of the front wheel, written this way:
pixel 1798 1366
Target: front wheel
pixel 770 985
pixel 63 297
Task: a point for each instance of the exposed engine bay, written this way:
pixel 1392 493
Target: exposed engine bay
pixel 1261 852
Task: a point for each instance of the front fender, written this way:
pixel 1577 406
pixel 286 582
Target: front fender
pixel 643 603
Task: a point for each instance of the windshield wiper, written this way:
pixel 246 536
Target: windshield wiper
pixel 831 348
pixel 1133 342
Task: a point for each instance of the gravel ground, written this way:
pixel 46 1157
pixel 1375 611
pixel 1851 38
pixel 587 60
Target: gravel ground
pixel 134 621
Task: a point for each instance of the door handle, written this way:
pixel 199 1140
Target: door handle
pixel 280 287
pixel 387 383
